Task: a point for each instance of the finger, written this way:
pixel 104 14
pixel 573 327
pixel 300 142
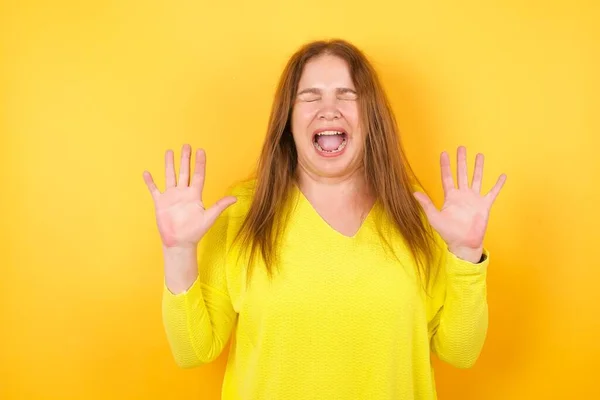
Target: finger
pixel 447 181
pixel 199 171
pixel 217 209
pixel 461 168
pixel 184 167
pixel 428 207
pixel 169 169
pixel 478 173
pixel 151 185
pixel 493 193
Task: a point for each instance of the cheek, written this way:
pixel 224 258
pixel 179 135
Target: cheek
pixel 301 118
pixel 350 112
pixel 300 122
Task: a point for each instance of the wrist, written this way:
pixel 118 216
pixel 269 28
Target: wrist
pixel 468 254
pixel 179 251
pixel 180 268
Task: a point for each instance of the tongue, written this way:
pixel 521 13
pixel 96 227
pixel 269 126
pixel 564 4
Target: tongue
pixel 330 142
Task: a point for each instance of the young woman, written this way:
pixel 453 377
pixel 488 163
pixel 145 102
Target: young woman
pixel 331 272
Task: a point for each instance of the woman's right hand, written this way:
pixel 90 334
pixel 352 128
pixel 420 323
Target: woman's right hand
pixel 181 216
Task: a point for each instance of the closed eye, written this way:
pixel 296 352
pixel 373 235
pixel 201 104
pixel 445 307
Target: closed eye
pixel 347 94
pixel 310 99
pixel 311 95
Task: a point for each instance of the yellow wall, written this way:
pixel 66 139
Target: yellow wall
pixel 92 93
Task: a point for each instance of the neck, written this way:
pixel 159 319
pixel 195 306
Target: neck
pixel 351 190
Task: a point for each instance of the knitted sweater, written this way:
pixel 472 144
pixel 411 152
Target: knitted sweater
pixel 341 319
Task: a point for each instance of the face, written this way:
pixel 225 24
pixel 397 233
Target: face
pixel 325 120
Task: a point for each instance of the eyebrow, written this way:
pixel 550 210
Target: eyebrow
pixel 341 90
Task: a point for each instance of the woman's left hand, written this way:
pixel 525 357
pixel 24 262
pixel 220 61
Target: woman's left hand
pixel 463 219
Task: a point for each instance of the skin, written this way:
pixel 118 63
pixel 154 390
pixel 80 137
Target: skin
pixel 335 186
pixel 463 218
pixel 327 98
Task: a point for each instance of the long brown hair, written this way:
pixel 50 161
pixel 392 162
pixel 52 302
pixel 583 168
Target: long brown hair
pixel 386 167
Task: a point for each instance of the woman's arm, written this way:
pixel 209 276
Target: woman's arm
pixel 198 321
pixel 458 310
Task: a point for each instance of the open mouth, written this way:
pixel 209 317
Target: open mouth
pixel 330 142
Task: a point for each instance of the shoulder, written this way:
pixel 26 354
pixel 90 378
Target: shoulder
pixel 243 189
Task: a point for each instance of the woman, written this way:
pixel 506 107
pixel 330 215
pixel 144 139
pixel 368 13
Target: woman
pixel 324 271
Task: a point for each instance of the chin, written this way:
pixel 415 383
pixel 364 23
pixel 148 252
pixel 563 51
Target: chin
pixel 334 165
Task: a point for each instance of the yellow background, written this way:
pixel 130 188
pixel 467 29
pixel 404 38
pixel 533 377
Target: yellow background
pixel 92 93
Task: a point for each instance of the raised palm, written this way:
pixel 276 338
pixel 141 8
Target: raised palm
pixel 462 220
pixel 181 216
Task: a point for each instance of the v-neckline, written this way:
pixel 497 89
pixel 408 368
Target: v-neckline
pixel 303 199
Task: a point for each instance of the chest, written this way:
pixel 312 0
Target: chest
pixel 342 285
pixel 345 219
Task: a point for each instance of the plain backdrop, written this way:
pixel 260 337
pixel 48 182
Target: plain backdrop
pixel 92 93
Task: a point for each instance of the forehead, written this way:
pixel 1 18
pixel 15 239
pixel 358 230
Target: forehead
pixel 324 71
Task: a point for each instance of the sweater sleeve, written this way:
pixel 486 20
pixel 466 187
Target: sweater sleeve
pixel 199 321
pixel 458 310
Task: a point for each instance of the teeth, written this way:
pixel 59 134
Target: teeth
pixel 329 133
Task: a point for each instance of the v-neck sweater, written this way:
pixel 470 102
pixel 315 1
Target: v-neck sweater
pixel 342 318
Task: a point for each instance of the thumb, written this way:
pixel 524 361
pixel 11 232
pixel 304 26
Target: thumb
pixel 217 209
pixel 426 203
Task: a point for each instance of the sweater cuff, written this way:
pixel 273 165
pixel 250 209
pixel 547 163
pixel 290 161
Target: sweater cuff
pixel 187 296
pixel 458 266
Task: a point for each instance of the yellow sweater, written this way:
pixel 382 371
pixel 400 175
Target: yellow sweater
pixel 341 320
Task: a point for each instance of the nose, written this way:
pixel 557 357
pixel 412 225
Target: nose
pixel 330 110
